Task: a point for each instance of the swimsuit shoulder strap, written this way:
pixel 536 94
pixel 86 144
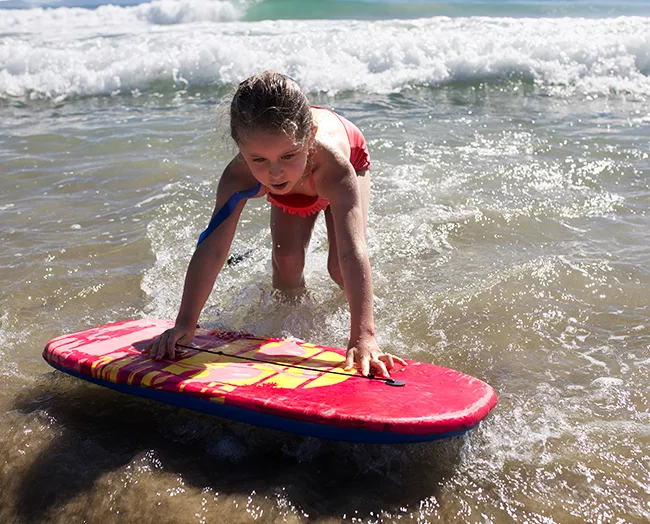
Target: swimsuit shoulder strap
pixel 311 179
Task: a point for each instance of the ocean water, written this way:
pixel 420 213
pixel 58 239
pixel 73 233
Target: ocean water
pixel 509 239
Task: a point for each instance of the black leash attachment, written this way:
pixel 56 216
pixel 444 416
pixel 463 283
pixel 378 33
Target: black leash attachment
pixel 388 381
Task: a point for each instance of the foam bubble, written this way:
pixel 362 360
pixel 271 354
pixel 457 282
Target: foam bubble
pixel 607 382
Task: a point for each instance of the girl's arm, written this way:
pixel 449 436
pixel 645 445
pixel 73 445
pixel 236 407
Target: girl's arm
pixel 339 185
pixel 204 267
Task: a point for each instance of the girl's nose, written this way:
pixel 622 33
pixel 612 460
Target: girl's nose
pixel 275 171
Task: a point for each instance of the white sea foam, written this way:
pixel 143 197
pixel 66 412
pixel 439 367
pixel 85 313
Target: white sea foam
pixel 111 17
pixel 62 53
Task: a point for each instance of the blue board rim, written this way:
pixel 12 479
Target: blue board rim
pixel 256 418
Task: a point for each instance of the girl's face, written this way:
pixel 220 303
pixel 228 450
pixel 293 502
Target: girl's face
pixel 275 160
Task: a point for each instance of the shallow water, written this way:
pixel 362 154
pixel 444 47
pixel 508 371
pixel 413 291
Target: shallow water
pixel 508 237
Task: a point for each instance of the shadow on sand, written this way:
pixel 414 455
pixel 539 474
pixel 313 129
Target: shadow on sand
pixel 99 431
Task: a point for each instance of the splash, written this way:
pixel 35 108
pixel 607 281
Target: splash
pixel 59 54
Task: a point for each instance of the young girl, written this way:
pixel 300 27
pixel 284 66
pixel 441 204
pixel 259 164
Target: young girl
pixel 304 160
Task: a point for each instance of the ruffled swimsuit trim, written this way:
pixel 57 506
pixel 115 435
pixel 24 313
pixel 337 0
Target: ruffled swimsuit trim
pixel 304 205
pixel 298 204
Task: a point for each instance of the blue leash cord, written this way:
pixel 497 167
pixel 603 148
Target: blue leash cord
pixel 226 210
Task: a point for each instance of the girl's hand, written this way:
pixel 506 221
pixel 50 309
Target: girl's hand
pixel 165 344
pixel 367 354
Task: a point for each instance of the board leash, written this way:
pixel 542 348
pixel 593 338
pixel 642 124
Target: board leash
pixel 369 376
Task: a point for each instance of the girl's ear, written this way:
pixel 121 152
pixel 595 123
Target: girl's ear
pixel 314 130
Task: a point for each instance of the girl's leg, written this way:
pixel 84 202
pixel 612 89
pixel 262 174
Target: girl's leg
pixel 290 235
pixel 363 179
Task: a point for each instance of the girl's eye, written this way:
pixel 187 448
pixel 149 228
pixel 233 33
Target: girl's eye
pixel 288 156
pixel 258 160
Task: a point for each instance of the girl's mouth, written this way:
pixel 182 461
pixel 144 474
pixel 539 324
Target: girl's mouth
pixel 280 187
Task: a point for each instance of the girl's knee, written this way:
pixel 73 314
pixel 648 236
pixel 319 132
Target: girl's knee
pixel 287 269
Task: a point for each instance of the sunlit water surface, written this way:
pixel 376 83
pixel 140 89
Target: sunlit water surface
pixel 509 239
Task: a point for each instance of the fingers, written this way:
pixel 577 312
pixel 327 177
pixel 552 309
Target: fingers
pixel 165 345
pixel 170 348
pixel 379 365
pixel 377 362
pixel 384 363
pixel 365 365
pixel 399 360
pixel 349 359
pixel 351 356
pixel 158 348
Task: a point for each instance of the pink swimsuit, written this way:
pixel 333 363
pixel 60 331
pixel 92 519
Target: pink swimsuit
pixel 304 205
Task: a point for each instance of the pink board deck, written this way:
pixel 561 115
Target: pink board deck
pixel 284 384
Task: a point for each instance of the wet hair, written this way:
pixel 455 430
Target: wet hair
pixel 270 102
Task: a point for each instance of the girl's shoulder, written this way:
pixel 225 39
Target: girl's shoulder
pixel 331 170
pixel 331 135
pixel 327 120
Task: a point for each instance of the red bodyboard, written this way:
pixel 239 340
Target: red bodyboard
pixel 285 384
